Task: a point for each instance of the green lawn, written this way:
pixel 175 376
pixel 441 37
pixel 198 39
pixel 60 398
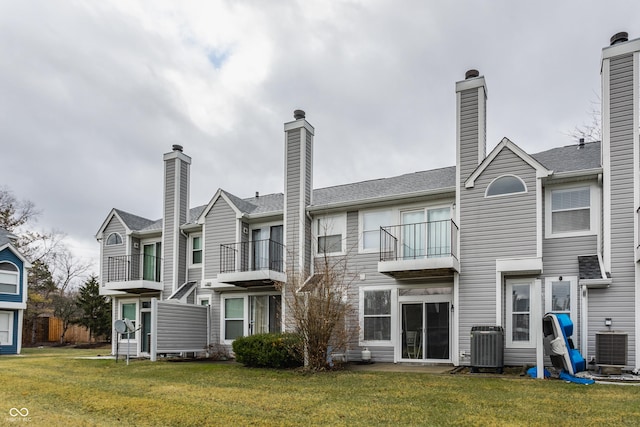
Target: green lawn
pixel 58 389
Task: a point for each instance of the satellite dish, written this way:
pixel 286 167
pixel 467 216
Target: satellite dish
pixel 120 326
pixel 130 326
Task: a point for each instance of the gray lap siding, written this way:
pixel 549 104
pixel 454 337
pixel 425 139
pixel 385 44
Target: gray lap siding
pixel 490 229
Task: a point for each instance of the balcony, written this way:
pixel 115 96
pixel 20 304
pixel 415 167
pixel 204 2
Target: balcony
pixel 251 264
pixel 134 274
pixel 418 251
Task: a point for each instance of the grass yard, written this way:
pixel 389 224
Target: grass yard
pixel 59 390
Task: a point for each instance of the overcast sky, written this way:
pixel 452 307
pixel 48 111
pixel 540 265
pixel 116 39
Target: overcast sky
pixel 93 93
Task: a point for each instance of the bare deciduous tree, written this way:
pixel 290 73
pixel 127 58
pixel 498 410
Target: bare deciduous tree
pixel 591 131
pixel 319 309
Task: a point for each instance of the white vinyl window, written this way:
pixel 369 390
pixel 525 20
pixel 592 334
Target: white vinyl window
pixel 330 232
pixel 9 278
pixel 518 313
pixel 114 239
pixel 6 328
pixel 561 296
pixel 371 222
pixel 129 311
pixel 506 184
pixel 196 249
pixel 376 316
pixel 233 318
pixel 570 211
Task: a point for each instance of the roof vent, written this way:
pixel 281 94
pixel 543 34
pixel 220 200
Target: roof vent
pixel 299 114
pixel 177 147
pixel 257 194
pixel 471 74
pixel 619 38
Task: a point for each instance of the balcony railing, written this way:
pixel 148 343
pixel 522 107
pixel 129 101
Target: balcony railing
pixel 252 256
pixel 431 239
pixel 134 267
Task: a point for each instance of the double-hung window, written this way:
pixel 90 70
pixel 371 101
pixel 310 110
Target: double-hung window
pixel 377 315
pixel 330 234
pixel 569 211
pixel 371 222
pixel 233 318
pixel 9 278
pixel 196 249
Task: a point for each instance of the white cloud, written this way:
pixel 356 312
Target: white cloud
pixel 95 93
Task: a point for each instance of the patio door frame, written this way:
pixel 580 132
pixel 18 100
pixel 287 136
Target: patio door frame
pixel 422 299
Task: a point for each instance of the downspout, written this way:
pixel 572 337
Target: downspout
pixel 584 295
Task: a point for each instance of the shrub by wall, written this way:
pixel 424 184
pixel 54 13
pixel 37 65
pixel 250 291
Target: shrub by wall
pixel 269 350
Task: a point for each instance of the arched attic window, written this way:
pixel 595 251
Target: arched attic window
pixel 114 239
pixel 9 275
pixel 505 184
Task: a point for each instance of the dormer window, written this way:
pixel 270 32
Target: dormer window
pixel 506 184
pixel 114 239
pixel 8 278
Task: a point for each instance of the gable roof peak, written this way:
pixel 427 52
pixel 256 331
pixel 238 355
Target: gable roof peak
pixel 541 170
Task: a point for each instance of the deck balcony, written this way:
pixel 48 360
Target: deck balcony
pixel 251 264
pixel 133 273
pixel 422 250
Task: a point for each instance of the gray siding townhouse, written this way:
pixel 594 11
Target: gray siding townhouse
pixel 498 239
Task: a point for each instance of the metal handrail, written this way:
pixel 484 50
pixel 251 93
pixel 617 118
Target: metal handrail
pixel 252 256
pixel 126 268
pixel 429 239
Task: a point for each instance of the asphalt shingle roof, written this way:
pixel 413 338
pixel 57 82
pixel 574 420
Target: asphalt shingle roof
pixel 5 237
pixel 394 186
pixel 562 159
pixel 134 222
pixel 571 157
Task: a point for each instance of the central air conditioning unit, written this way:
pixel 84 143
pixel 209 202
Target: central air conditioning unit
pixel 611 348
pixel 487 347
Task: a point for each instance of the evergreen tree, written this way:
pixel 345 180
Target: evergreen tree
pixel 96 309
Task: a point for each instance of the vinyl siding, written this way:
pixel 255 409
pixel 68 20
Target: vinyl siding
pixel 490 229
pixel 215 317
pixel 168 232
pixel 194 274
pixel 184 209
pixel 181 327
pixel 292 197
pixel 114 226
pixel 220 228
pixel 13 348
pixel 617 302
pixel 469 136
pixel 364 266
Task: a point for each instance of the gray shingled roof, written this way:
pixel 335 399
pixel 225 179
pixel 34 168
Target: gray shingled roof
pixel 5 237
pixel 183 290
pixel 134 222
pixel 571 157
pixel 589 267
pixel 395 186
pixel 561 159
